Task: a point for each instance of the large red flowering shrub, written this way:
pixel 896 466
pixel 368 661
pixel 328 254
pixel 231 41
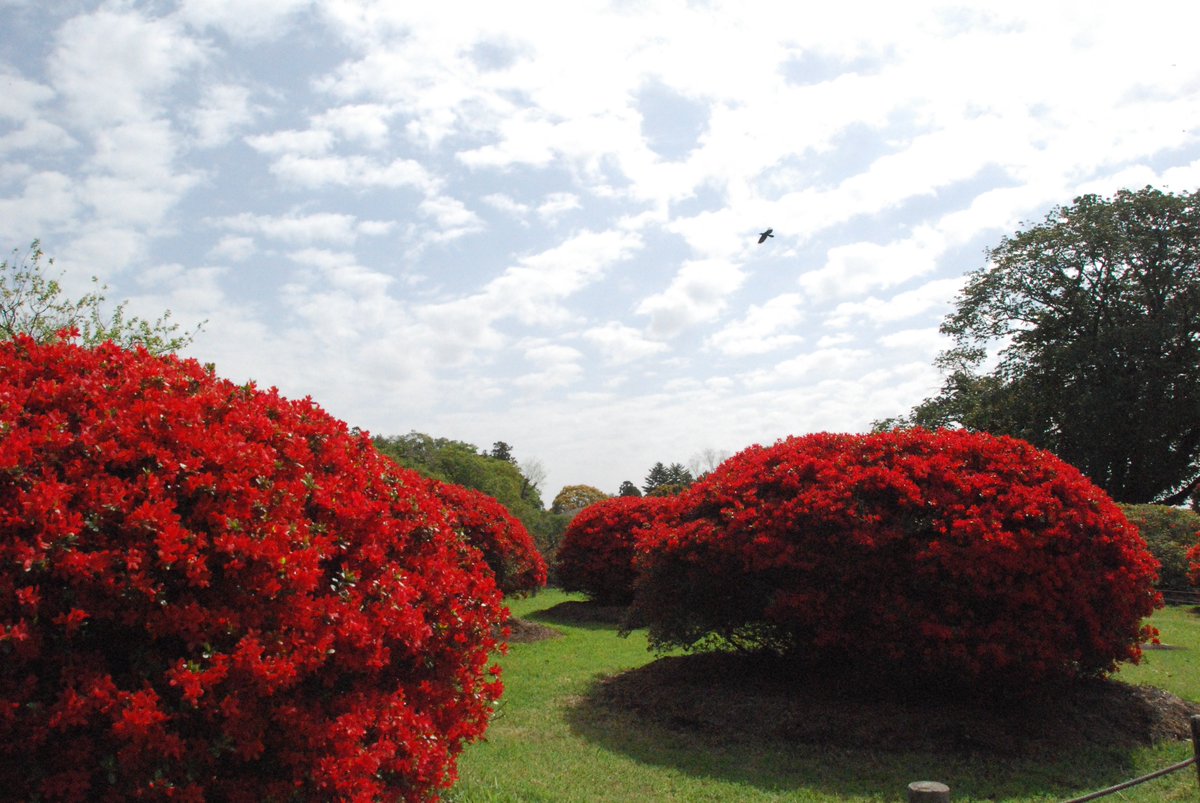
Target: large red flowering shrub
pixel 210 592
pixel 501 539
pixel 596 553
pixel 951 556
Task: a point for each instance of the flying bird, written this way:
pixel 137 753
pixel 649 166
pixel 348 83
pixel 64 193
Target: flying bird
pixel 762 238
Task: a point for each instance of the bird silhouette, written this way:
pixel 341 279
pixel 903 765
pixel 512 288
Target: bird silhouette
pixel 762 238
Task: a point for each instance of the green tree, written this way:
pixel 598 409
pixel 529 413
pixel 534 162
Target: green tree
pixel 32 303
pixel 461 463
pixel 574 498
pixel 629 489
pixel 664 480
pixel 678 474
pixel 1096 312
pixel 1169 532
pixel 502 451
pixel 657 476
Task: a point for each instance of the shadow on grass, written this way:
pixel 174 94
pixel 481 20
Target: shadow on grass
pixel 581 613
pixel 757 722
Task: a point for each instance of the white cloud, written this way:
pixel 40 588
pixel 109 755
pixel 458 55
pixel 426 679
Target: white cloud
pixel 345 305
pixel 46 199
pixel 134 177
pixel 852 270
pixel 557 204
pixel 902 306
pixel 809 366
pixel 505 203
pixel 315 172
pixel 926 340
pixel 233 247
pixel 451 215
pixel 302 229
pixel 365 123
pixel 698 294
pixel 36 135
pixel 292 143
pixel 224 110
pixel 558 366
pixel 530 292
pixel 23 97
pixel 764 328
pixel 261 19
pixel 622 344
pixel 113 66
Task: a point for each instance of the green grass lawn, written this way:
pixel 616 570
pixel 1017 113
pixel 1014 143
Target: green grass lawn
pixel 547 743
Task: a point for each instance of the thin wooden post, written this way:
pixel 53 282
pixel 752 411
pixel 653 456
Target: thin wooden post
pixel 930 792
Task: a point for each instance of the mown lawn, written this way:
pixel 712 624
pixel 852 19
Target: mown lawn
pixel 551 742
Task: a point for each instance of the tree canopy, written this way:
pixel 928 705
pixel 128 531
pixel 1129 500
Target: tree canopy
pixel 666 480
pixel 33 303
pixel 502 451
pixel 461 463
pixel 1093 319
pixel 574 498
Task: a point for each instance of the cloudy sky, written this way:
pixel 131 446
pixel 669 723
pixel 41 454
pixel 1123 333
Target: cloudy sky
pixel 536 221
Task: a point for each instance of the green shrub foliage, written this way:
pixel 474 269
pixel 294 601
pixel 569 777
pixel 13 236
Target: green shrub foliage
pixel 950 556
pixel 210 592
pixel 1169 532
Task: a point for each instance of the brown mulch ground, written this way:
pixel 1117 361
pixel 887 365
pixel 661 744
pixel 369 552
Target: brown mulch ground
pixel 731 697
pixel 522 631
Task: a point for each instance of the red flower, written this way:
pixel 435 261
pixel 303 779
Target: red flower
pixel 596 554
pixel 949 555
pixel 208 591
pixel 500 538
pixel 1193 557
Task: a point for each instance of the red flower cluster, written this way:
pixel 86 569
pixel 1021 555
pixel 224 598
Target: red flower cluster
pixel 596 554
pixel 1193 557
pixel 501 539
pixel 210 592
pixel 947 555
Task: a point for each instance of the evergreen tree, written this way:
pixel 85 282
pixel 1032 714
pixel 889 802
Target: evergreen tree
pixel 658 476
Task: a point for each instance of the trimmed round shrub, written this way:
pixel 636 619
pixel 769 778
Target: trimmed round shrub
pixel 503 542
pixel 1169 532
pixel 596 554
pixel 210 592
pixel 945 556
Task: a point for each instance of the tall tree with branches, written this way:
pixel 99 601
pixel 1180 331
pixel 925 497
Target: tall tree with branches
pixel 1093 317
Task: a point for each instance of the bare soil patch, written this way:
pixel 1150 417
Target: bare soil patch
pixel 523 631
pixel 728 697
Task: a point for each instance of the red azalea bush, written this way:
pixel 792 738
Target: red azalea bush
pixel 596 553
pixel 949 556
pixel 501 539
pixel 210 592
pixel 1193 557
